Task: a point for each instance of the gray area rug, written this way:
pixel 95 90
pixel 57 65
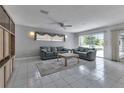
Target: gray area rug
pixel 52 66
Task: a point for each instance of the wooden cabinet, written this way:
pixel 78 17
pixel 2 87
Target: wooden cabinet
pixel 2 77
pixel 10 66
pixel 7 47
pixel 7 72
pixel 12 26
pixel 6 21
pixel 1 44
pixel 2 13
pixel 13 60
pixel 6 44
pixel 12 45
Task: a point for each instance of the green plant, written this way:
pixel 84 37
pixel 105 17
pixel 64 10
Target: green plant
pixel 92 40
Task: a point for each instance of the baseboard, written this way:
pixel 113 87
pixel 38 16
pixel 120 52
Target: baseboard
pixel 24 58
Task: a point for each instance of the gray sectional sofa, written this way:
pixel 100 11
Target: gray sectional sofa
pixel 86 53
pixel 51 52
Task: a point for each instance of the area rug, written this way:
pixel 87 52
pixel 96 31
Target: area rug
pixel 52 66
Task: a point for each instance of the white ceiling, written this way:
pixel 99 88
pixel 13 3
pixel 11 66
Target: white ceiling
pixel 82 17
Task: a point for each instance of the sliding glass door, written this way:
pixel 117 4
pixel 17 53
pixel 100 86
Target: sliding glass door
pixel 121 45
pixel 93 41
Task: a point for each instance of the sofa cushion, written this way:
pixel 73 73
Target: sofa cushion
pixel 82 49
pixel 79 48
pixel 85 49
pixel 43 47
pixel 76 52
pixel 53 49
pixel 64 49
pixel 82 53
pixel 48 49
pixel 90 50
pixel 49 54
pixel 59 48
pixel 44 50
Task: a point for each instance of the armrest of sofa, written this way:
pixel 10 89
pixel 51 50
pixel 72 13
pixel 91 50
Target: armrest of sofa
pixel 43 50
pixel 90 51
pixel 43 53
pixel 65 49
pixel 91 54
pixel 75 49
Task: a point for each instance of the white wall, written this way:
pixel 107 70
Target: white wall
pixel 107 45
pixel 26 47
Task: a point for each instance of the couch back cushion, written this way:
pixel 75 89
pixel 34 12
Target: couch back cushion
pixel 79 48
pixel 92 49
pixel 48 49
pixel 59 48
pixel 53 49
pixel 86 49
pixel 83 49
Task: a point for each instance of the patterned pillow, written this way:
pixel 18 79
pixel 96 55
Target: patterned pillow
pixel 49 49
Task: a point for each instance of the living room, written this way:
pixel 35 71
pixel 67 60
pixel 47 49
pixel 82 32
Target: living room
pixel 54 47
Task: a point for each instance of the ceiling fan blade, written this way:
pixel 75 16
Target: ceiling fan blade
pixel 67 25
pixel 44 12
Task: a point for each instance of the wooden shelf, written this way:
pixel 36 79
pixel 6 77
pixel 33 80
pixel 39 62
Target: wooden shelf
pixel 7 47
pixel 7 72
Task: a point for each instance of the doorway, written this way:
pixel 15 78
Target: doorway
pixel 121 45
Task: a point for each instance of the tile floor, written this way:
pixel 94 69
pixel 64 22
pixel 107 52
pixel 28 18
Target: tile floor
pixel 96 74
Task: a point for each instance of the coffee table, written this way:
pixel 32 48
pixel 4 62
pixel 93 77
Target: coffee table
pixel 67 56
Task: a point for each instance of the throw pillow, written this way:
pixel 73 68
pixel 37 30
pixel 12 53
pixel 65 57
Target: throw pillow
pixel 48 49
pixel 82 49
pixel 44 50
pixel 53 49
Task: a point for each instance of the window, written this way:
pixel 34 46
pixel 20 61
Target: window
pixel 84 41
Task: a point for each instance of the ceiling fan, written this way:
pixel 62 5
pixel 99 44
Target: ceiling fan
pixel 61 24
